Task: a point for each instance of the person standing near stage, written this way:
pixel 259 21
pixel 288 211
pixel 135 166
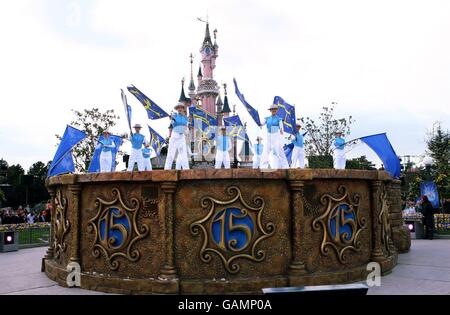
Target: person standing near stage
pixel 258 151
pixel 298 153
pixel 428 217
pixel 339 151
pixel 146 155
pixel 137 140
pixel 106 145
pixel 177 142
pixel 223 146
pixel 274 128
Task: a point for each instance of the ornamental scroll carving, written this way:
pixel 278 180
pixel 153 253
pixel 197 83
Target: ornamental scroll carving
pixel 116 230
pixel 61 225
pixel 341 224
pixel 232 229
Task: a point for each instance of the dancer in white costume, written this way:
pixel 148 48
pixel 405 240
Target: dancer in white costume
pixel 137 140
pixel 146 155
pixel 223 147
pixel 339 152
pixel 177 134
pixel 274 127
pixel 298 153
pixel 106 146
pixel 258 152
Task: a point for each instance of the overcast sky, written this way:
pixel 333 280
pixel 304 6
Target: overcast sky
pixel 386 63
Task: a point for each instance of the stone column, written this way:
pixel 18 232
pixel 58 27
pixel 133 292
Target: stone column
pixel 168 271
pixel 375 190
pixel 50 250
pixel 297 266
pixel 75 223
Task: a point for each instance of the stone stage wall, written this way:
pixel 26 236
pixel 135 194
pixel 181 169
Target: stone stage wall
pixel 223 231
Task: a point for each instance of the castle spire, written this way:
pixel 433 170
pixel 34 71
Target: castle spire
pixel 226 106
pixel 207 42
pixel 192 84
pixel 183 97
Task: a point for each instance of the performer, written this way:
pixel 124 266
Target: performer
pixel 339 151
pixel 258 151
pixel 177 142
pixel 223 146
pixel 298 153
pixel 146 155
pixel 137 140
pixel 274 127
pixel 106 153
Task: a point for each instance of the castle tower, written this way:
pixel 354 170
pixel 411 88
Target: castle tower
pixel 208 90
pixel 226 106
pixel 192 94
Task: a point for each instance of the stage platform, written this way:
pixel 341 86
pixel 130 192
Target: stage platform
pixel 223 231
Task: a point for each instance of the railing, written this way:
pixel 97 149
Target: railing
pixel 30 235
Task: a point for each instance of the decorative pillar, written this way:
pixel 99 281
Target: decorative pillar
pixel 75 223
pixel 168 271
pixel 375 190
pixel 50 251
pixel 297 266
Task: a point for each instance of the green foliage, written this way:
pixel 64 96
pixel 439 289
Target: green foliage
pixel 360 163
pixel 320 161
pixel 322 133
pixel 2 197
pixel 93 122
pixel 438 143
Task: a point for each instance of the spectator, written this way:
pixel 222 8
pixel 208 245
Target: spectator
pixel 30 218
pixel 428 217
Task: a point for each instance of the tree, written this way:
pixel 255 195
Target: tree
pixel 360 163
pixel 38 192
pixel 321 135
pixel 93 122
pixel 438 143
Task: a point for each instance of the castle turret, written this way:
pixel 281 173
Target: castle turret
pixel 208 90
pixel 226 110
pixel 192 94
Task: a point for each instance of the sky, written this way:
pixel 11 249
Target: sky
pixel 386 63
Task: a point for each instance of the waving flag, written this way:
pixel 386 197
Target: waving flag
pixel 63 160
pixel 208 121
pixel 253 112
pixel 156 141
pixel 153 111
pixel 287 113
pixel 237 129
pixel 429 189
pixel 382 147
pixel 128 110
pixel 288 149
pixel 94 167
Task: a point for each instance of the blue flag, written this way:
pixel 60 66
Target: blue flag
pixel 94 167
pixel 208 121
pixel 429 189
pixel 382 147
pixel 128 110
pixel 287 113
pixel 153 111
pixel 156 140
pixel 63 161
pixel 253 112
pixel 288 148
pixel 237 129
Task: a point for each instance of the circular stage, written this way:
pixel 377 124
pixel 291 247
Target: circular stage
pixel 223 231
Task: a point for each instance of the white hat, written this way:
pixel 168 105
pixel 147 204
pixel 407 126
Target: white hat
pixel 258 138
pixel 137 126
pixel 179 105
pixel 273 106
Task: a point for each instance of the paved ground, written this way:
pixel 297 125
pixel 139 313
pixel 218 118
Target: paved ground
pixel 424 270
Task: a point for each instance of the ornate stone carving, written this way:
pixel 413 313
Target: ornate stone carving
pixel 341 224
pixel 383 220
pixel 61 225
pixel 150 201
pixel 116 230
pixel 232 229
